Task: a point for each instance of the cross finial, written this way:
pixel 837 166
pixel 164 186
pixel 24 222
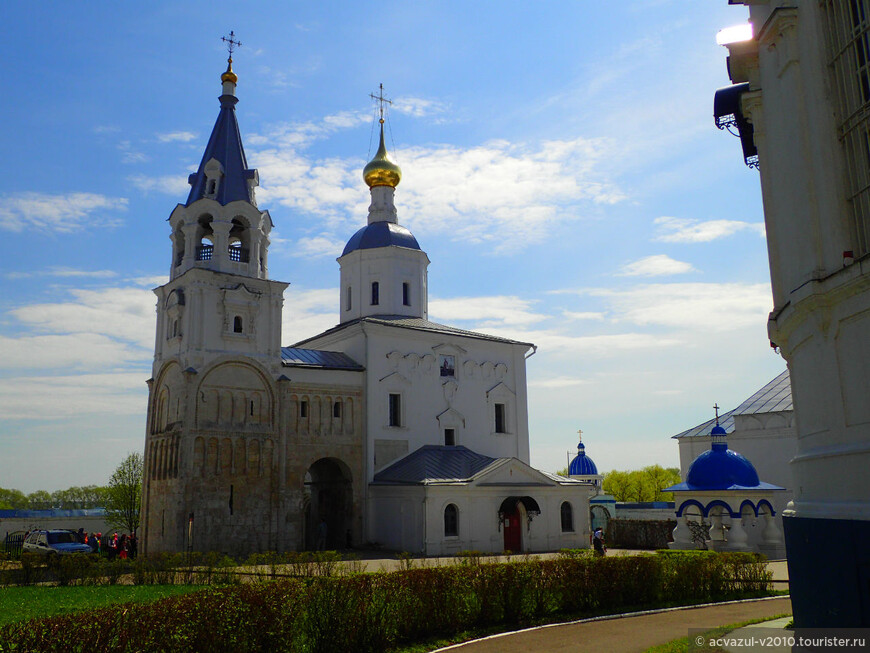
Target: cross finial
pixel 580 434
pixel 231 42
pixel 716 408
pixel 381 100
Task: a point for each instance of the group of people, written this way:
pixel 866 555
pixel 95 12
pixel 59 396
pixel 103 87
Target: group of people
pixel 123 546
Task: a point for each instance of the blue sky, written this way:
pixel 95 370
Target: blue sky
pixel 560 168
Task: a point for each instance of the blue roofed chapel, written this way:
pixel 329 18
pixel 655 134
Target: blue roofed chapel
pixel 387 428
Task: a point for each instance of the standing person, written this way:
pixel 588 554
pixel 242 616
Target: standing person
pixel 122 547
pixel 598 541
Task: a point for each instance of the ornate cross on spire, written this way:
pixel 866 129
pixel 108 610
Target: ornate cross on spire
pixel 232 44
pixel 580 434
pixel 716 408
pixel 381 100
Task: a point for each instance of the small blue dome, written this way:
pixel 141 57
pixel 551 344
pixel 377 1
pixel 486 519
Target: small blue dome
pixel 381 234
pixel 718 430
pixel 582 464
pixel 719 469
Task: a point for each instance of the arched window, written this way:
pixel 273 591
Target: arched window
pixel 567 517
pixel 375 293
pixel 349 302
pixel 336 408
pixel 237 324
pixel 451 521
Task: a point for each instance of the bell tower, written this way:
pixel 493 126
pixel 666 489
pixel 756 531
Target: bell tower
pixel 212 438
pixel 219 298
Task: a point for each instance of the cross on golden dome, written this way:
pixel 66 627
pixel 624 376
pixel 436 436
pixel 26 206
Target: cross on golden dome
pixel 381 100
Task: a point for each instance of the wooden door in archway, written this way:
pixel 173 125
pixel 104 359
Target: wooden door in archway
pixel 513 534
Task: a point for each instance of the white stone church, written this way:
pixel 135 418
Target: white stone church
pixel 387 429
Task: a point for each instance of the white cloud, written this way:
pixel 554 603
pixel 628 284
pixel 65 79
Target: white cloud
pixel 418 107
pixel 118 313
pixel 487 312
pixel 176 137
pixel 65 396
pixel 129 154
pixel 60 213
pixel 71 351
pixel 684 230
pixel 655 266
pixel 318 246
pixel 499 193
pixel 558 382
pixel 709 307
pixel 62 272
pixel 168 184
pixel 583 315
pixel 308 312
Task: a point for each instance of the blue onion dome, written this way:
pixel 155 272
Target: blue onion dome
pixel 381 234
pixel 582 465
pixel 720 468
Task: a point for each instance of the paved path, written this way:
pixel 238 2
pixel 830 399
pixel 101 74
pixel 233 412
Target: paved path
pixel 626 634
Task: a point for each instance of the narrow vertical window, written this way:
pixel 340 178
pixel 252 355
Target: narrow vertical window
pixel 406 293
pixel 303 409
pixel 499 419
pixel 237 324
pixel 395 408
pixel 231 500
pixel 451 521
pixel 348 303
pixel 375 293
pixel 336 408
pixel 449 437
pixel 567 517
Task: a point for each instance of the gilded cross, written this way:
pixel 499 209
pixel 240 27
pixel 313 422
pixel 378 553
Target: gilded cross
pixel 580 434
pixel 232 44
pixel 381 100
pixel 716 408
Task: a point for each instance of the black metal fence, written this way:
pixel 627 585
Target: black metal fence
pixel 13 543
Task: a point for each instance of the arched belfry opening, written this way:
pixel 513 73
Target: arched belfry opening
pixel 204 239
pixel 239 246
pixel 329 499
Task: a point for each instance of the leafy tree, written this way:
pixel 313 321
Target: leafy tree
pixel 562 472
pixel 124 494
pixel 641 484
pixel 39 500
pixel 11 499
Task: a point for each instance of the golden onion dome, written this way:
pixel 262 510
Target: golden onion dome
pixel 380 171
pixel 229 75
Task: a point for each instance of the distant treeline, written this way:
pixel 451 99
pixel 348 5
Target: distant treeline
pixel 74 498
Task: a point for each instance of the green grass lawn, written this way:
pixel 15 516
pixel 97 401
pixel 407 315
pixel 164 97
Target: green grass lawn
pixel 681 645
pixel 23 603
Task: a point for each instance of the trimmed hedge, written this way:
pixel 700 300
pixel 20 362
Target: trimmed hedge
pixel 376 612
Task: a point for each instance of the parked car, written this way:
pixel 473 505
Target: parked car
pixel 54 542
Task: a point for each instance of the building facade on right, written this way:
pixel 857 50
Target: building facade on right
pixel 801 106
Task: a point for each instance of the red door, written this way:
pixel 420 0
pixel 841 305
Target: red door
pixel 512 534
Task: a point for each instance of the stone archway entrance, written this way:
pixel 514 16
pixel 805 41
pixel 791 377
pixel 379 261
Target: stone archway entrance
pixel 329 494
pixel 514 513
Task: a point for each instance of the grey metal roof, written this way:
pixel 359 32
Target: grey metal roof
pixel 332 360
pixel 405 322
pixel 432 463
pixel 774 397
